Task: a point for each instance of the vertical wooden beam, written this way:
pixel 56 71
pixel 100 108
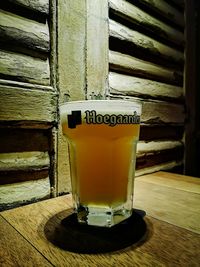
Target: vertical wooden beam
pixel 71 72
pixel 97 48
pixel 190 88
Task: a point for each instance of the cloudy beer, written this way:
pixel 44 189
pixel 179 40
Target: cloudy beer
pixel 102 139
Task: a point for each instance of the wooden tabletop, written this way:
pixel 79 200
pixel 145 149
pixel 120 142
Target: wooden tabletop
pixel 172 206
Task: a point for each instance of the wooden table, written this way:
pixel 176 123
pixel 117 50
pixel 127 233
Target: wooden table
pixel 172 206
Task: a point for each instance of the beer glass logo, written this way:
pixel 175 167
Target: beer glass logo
pixel 91 117
pixel 111 119
pixel 74 119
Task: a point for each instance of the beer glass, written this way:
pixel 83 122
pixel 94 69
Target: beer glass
pixel 102 137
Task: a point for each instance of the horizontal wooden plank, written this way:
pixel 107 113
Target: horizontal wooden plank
pixel 19 176
pixel 19 67
pixel 121 84
pixel 34 160
pixel 19 104
pixel 166 166
pixel 137 67
pixel 156 146
pixel 158 112
pixel 24 32
pixel 143 20
pixel 39 5
pixel 140 43
pixel 164 10
pixel 161 132
pixel 158 152
pixel 20 193
pixel 18 140
pixel 162 112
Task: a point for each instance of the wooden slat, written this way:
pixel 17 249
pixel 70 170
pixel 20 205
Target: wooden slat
pixel 18 140
pixel 166 166
pixel 158 152
pixel 155 146
pixel 23 166
pixel 137 67
pixel 18 104
pixel 24 161
pixel 128 85
pixel 97 48
pixel 145 44
pixel 24 68
pixel 15 250
pixel 25 192
pixel 23 32
pixel 158 112
pixel 165 10
pixel 162 112
pixel 39 5
pixel 142 19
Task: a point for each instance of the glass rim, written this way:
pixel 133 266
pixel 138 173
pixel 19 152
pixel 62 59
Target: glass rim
pixel 136 103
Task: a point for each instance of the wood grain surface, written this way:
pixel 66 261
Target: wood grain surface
pixel 172 220
pixel 16 250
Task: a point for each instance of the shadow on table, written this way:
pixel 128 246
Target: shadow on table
pixel 68 234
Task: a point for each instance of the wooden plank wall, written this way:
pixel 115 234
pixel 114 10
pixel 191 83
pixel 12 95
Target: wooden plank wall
pixel 146 62
pixel 28 102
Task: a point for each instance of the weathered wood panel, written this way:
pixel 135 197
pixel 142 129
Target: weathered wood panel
pixel 24 32
pixel 71 50
pixel 24 161
pixel 18 140
pixel 155 146
pixel 133 86
pixel 137 67
pixel 24 166
pixel 24 192
pixel 97 48
pixel 157 152
pixel 24 68
pixel 19 104
pixel 145 44
pixel 71 70
pixel 158 112
pixel 142 19
pixel 155 112
pixel 165 10
pixel 34 5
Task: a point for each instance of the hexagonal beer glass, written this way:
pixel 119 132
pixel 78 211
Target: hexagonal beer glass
pixel 102 137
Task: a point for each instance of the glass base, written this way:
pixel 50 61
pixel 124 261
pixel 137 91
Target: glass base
pixel 103 217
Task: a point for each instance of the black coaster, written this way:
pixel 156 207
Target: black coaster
pixel 69 235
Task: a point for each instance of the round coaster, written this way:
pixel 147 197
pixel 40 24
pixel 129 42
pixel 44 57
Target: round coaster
pixel 69 235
